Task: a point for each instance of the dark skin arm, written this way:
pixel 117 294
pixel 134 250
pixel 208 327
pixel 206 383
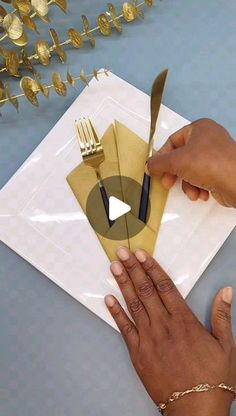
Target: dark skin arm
pixel 169 348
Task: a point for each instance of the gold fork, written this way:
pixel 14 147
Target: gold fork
pixel 93 155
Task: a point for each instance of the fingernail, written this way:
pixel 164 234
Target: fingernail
pixel 140 255
pixel 227 294
pixel 123 253
pixel 110 301
pixel 116 268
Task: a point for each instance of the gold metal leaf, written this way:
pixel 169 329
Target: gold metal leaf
pixel 13 100
pixel 61 53
pixel 26 61
pixel 83 76
pixel 71 80
pixel 62 4
pixel 29 23
pixel 138 9
pixel 2 51
pixel 75 38
pixel 59 85
pixel 129 12
pixel 30 88
pixel 86 25
pixel 54 36
pixel 43 52
pixel 116 22
pixel 2 93
pixel 23 6
pixel 40 7
pixel 107 71
pixel 12 63
pixel 22 41
pixel 149 3
pixel 3 13
pixel 104 24
pixel 58 48
pixel 43 87
pixel 13 26
pixel 95 73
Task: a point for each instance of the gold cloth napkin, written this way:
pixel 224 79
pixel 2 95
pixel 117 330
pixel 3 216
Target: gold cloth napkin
pixel 125 156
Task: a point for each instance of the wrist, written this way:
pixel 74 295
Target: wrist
pixel 227 180
pixel 217 403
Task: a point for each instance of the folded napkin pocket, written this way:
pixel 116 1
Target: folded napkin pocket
pixel 125 157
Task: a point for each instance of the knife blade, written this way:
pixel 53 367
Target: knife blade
pixel 156 99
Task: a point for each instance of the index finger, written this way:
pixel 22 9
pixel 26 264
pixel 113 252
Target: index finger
pixel 175 140
pixel 168 292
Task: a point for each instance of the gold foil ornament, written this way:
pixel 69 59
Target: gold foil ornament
pixel 2 93
pixel 40 7
pixel 104 24
pixel 43 51
pixel 57 46
pixel 87 30
pixel 59 85
pixel 12 63
pixel 129 12
pixel 29 23
pixel 71 80
pixel 75 38
pixel 62 4
pixel 115 20
pixel 30 89
pixel 149 3
pixel 13 26
pixel 13 100
pixel 3 13
pixel 22 41
pixel 23 6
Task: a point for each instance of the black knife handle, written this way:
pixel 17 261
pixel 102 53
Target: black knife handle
pixel 143 208
pixel 106 203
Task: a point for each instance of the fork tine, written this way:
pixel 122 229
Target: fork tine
pixel 95 135
pixel 91 134
pixel 86 136
pixel 80 137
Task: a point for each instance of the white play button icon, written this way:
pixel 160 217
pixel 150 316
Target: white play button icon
pixel 117 208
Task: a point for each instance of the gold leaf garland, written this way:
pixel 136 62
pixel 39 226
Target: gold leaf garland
pixel 32 86
pixel 106 21
pixel 13 23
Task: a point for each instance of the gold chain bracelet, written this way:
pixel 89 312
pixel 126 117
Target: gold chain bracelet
pixel 196 389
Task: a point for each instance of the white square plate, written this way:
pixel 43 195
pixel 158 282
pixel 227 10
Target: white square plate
pixel 42 221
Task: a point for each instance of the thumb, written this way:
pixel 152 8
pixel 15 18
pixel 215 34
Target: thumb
pixel 172 162
pixel 221 316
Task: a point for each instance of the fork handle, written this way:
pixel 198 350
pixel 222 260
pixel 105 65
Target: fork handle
pixel 105 202
pixel 143 208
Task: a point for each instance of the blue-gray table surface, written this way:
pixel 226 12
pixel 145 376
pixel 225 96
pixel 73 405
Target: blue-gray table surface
pixel 56 357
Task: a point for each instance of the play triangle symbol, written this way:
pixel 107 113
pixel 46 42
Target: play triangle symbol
pixel 117 208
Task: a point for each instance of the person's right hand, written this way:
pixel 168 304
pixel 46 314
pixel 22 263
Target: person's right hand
pixel 203 156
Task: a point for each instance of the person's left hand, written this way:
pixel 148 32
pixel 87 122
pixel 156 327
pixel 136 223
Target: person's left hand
pixel 170 349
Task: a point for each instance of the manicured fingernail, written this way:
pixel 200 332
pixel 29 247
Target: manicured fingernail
pixel 140 255
pixel 227 294
pixel 123 253
pixel 116 268
pixel 110 301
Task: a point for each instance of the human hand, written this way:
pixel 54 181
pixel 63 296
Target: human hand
pixel 203 156
pixel 170 349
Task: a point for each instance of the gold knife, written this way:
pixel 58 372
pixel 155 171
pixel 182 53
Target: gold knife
pixel 156 99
